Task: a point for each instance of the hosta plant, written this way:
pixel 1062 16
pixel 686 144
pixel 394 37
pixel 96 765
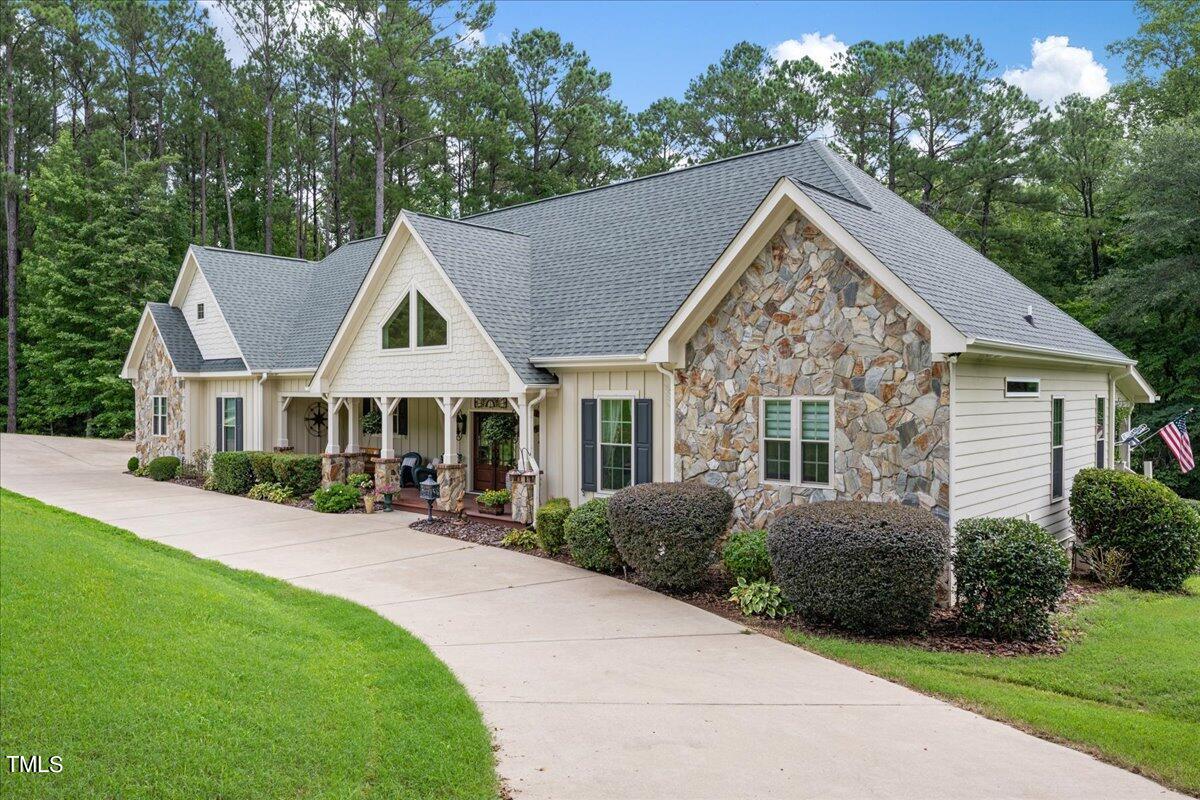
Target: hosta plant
pixel 520 539
pixel 759 598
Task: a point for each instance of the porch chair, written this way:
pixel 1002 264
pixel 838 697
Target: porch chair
pixel 409 462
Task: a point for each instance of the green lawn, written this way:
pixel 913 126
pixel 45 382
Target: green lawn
pixel 1128 689
pixel 156 674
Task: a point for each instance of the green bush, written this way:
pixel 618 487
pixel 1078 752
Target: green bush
pixel 520 539
pixel 361 481
pixel 335 498
pixel 866 567
pixel 196 467
pixel 588 538
pixel 300 473
pixel 495 498
pixel 163 468
pixel 1143 519
pixel 550 519
pixel 231 472
pixel 263 466
pixel 132 464
pixel 745 556
pixel 759 598
pixel 273 492
pixel 668 531
pixel 1010 574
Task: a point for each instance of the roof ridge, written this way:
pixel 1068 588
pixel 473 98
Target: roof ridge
pixel 250 253
pixel 469 224
pixel 640 178
pixel 837 165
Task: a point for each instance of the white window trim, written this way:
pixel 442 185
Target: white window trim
pixel 796 440
pixel 220 423
pixel 411 292
pixel 1053 399
pixel 615 394
pixel 1104 432
pixel 154 398
pixel 1028 395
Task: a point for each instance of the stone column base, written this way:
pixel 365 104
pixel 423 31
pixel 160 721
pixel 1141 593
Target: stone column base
pixel 522 496
pixel 387 473
pixel 355 462
pixel 333 469
pixel 452 487
pixel 284 449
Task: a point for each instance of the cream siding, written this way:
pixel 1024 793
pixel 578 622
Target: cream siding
pixel 424 430
pixel 562 424
pixel 212 333
pixel 203 394
pixel 469 364
pixel 1001 464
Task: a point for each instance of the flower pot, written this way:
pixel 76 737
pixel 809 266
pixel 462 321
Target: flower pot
pixel 369 503
pixel 387 502
pixel 495 510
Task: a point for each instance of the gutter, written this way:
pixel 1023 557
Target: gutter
pixel 670 420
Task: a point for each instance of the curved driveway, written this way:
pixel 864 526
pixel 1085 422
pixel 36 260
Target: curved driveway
pixel 593 687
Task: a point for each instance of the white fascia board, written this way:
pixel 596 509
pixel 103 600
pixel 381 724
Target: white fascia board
pixel 141 337
pixel 587 362
pixel 238 374
pixel 998 347
pixel 1135 387
pixel 786 196
pixel 183 279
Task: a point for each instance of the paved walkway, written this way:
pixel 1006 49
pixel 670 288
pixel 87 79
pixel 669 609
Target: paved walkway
pixel 594 688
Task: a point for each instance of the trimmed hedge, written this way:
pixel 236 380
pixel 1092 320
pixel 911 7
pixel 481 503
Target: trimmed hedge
pixel 1010 574
pixel 231 472
pixel 1143 519
pixel 300 473
pixel 163 468
pixel 263 466
pixel 589 539
pixel 865 567
pixel 550 520
pixel 745 556
pixel 668 531
pixel 132 464
pixel 335 498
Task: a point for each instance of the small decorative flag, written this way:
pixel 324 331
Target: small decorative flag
pixel 1175 434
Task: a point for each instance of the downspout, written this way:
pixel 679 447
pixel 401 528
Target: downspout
pixel 537 462
pixel 670 420
pixel 952 366
pixel 260 426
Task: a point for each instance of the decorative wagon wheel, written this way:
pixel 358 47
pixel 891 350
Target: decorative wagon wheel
pixel 315 418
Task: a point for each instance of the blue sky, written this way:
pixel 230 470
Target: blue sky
pixel 653 49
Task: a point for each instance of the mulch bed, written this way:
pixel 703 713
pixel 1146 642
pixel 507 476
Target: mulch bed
pixel 944 634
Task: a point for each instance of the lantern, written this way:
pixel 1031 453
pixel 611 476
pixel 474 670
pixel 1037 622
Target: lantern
pixel 430 491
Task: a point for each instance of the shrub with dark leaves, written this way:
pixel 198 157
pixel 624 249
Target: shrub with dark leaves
pixel 668 531
pixel 1143 519
pixel 163 468
pixel 1010 574
pixel 132 464
pixel 263 467
pixel 588 538
pixel 745 556
pixel 231 472
pixel 865 567
pixel 300 473
pixel 550 520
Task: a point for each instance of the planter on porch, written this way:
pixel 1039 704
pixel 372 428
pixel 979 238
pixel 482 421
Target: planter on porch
pixel 494 501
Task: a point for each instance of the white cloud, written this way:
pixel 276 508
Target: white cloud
pixel 472 38
pixel 1058 69
pixel 820 49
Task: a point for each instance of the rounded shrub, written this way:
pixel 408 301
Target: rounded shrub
pixel 231 472
pixel 1010 574
pixel 132 464
pixel 163 468
pixel 300 473
pixel 335 498
pixel 865 567
pixel 668 531
pixel 550 520
pixel 1142 518
pixel 745 556
pixel 263 466
pixel 588 538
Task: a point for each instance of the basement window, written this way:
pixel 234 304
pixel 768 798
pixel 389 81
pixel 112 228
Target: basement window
pixel 1022 387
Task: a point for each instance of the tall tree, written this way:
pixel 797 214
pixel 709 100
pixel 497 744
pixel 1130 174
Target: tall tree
pixel 729 102
pixel 1163 60
pixel 662 137
pixel 796 96
pixel 867 98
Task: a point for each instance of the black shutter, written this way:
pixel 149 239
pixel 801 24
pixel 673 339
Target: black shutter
pixel 220 425
pixel 643 451
pixel 587 428
pixel 237 410
pixel 401 421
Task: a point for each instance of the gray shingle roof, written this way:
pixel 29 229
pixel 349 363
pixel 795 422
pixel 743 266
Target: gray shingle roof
pixel 181 345
pixel 490 269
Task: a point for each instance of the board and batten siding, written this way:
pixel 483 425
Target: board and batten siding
pixel 212 333
pixel 202 410
pixel 562 425
pixel 469 364
pixel 1002 445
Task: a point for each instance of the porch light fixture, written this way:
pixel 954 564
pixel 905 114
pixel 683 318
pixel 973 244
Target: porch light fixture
pixel 430 491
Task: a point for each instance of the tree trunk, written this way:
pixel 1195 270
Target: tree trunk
pixel 10 229
pixel 985 221
pixel 379 164
pixel 268 242
pixel 228 200
pixel 204 187
pixel 335 166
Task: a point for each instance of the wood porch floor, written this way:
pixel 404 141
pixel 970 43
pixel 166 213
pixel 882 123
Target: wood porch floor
pixel 409 499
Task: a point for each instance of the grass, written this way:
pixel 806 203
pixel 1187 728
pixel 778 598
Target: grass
pixel 1126 689
pixel 156 674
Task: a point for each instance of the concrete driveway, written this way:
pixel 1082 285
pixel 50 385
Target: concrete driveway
pixel 593 687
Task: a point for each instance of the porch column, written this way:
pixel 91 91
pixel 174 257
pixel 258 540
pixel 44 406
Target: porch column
pixel 520 404
pixel 331 425
pixel 352 426
pixel 450 408
pixel 386 406
pixel 281 442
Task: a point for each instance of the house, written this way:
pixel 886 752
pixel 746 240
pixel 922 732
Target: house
pixel 777 324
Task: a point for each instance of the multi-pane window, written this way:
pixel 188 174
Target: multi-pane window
pixel 1101 433
pixel 159 410
pixel 415 320
pixel 796 445
pixel 616 443
pixel 1056 448
pixel 229 423
pixel 199 310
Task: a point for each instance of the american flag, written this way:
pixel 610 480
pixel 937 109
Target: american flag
pixel 1175 434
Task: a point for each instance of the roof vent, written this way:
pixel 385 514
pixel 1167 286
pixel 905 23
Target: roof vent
pixel 1029 314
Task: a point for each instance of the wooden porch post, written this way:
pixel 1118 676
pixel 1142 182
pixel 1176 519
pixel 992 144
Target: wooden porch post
pixel 332 404
pixel 520 404
pixel 450 408
pixel 282 440
pixel 386 406
pixel 352 426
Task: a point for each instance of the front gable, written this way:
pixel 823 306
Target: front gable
pixel 212 333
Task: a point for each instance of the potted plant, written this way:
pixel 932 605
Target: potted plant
pixel 493 501
pixel 386 490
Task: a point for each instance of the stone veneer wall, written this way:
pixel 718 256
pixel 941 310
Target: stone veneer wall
pixel 804 320
pixel 154 377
